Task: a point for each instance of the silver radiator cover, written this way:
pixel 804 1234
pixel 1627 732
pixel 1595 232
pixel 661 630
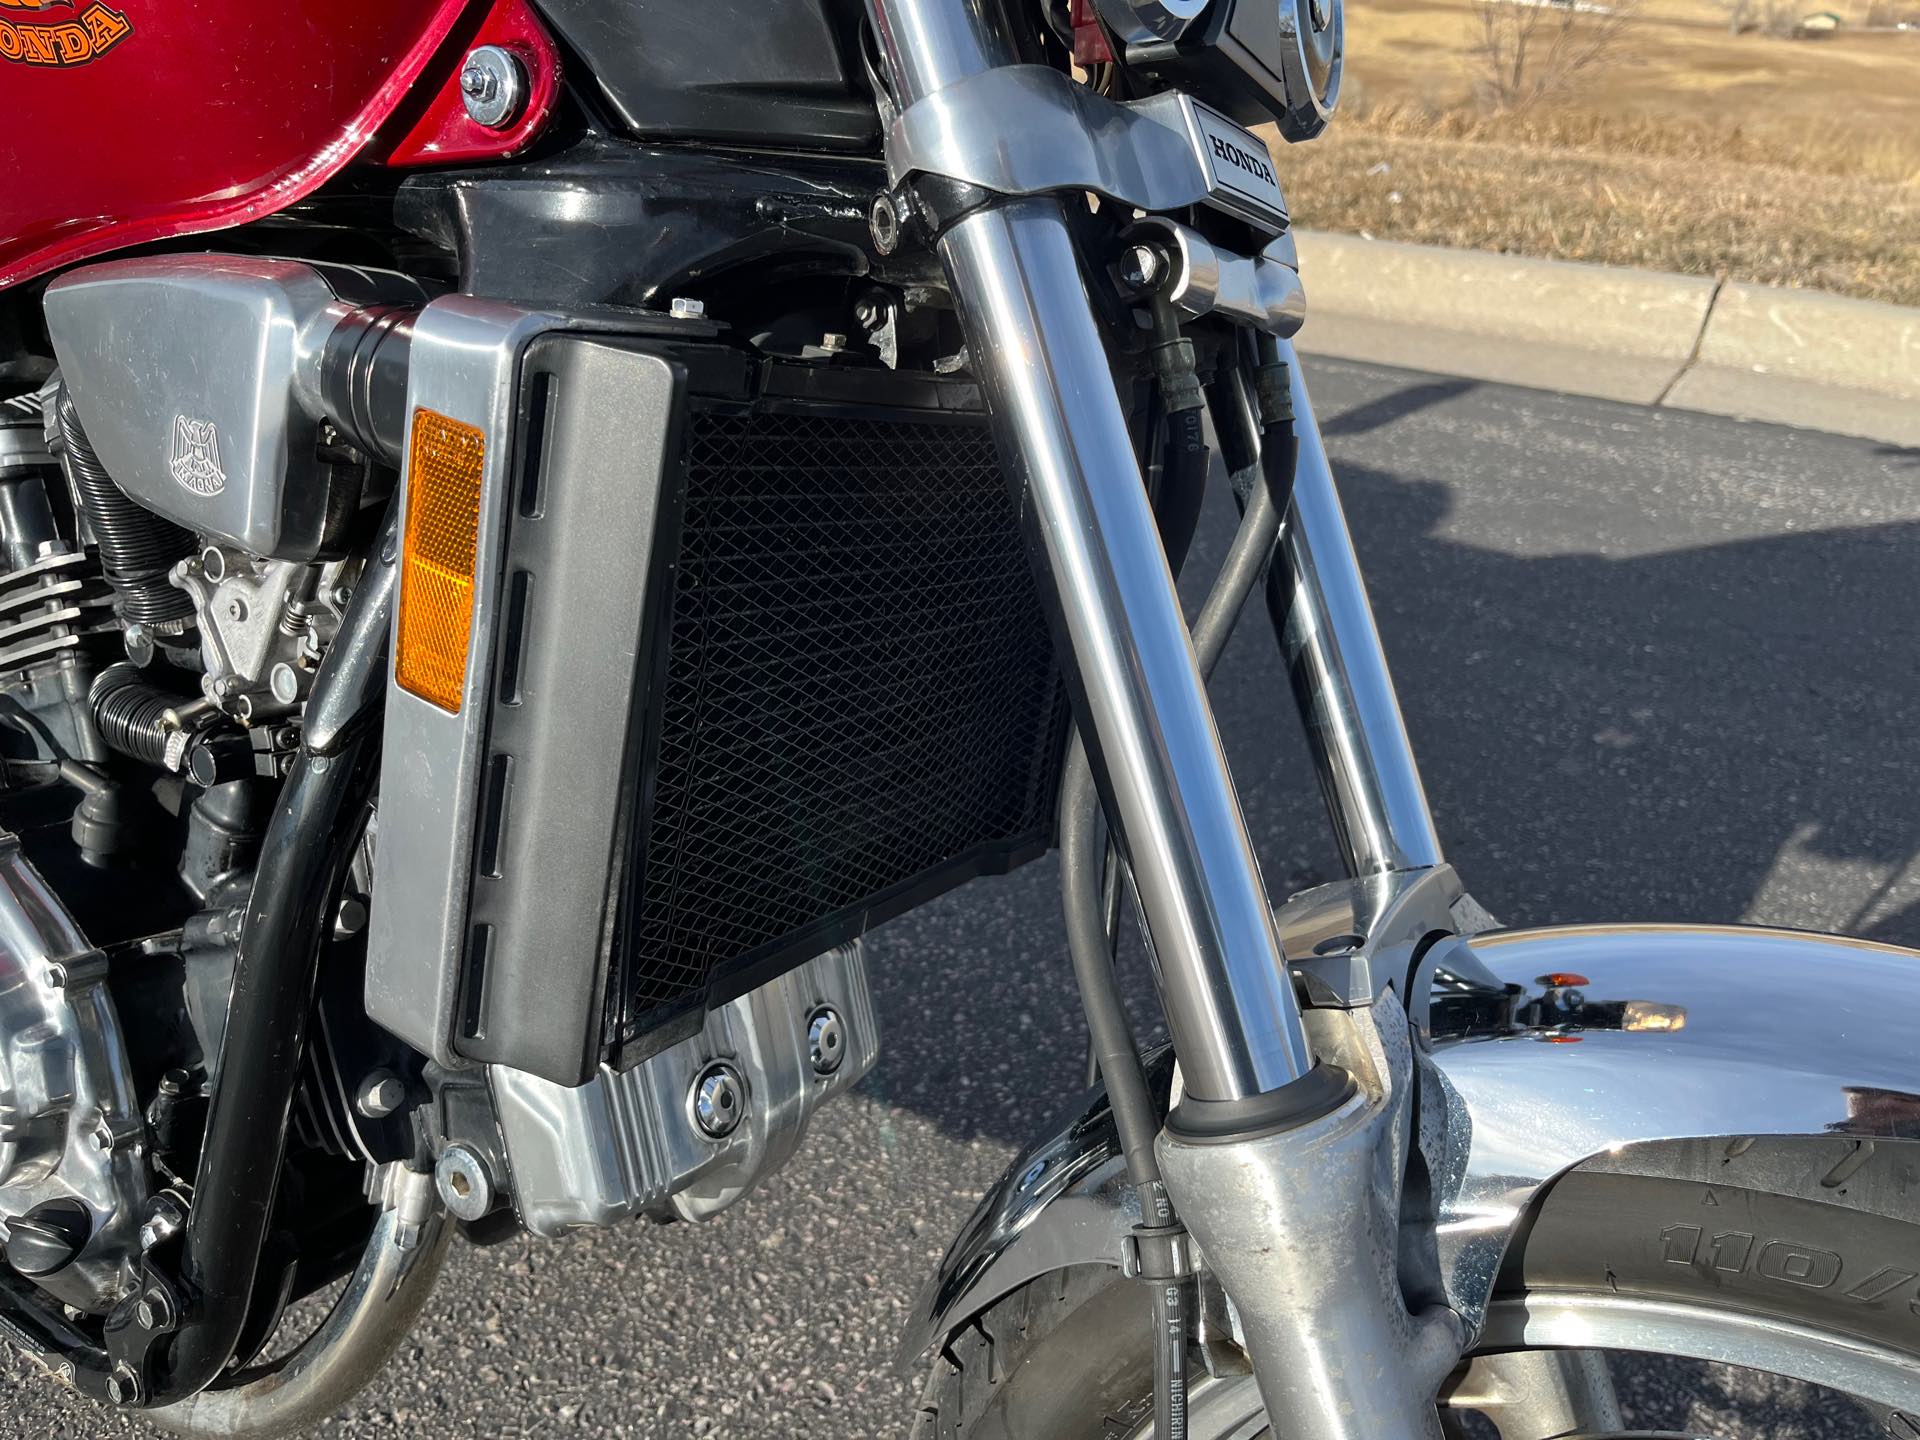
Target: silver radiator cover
pixel 625 1143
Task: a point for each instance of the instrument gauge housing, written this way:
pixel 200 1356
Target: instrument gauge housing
pixel 1277 60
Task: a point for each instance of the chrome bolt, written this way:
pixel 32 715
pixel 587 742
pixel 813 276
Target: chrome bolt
pixel 165 1219
pixel 154 1310
pixel 123 1385
pixel 381 1093
pixel 719 1100
pixel 1141 267
pixel 139 645
pixel 833 344
pixel 883 221
pixel 493 87
pixel 684 308
pixel 464 1185
pixel 826 1040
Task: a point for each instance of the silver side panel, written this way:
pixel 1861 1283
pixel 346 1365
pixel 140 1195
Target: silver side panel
pixel 194 376
pixel 465 364
pixel 1761 1033
pixel 625 1143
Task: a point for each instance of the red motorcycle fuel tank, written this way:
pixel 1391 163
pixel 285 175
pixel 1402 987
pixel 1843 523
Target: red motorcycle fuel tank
pixel 125 121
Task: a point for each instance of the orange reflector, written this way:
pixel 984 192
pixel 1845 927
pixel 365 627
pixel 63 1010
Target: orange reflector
pixel 437 558
pixel 1560 979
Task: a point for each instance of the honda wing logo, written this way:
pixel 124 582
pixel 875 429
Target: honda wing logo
pixel 196 456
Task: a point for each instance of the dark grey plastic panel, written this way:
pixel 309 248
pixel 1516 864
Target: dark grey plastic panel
pixel 598 425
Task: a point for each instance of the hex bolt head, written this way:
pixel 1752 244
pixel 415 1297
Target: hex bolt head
pixel 154 1310
pixel 123 1385
pixel 718 1101
pixel 380 1094
pixel 826 1040
pixel 351 918
pixel 493 87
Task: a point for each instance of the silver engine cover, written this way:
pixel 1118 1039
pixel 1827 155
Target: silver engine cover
pixel 627 1143
pixel 70 1124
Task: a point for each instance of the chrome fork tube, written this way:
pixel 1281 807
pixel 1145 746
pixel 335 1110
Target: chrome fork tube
pixel 1144 711
pixel 1141 703
pixel 1339 672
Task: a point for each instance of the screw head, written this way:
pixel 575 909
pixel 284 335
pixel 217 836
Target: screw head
pixel 719 1100
pixel 381 1093
pixel 826 1040
pixel 493 87
pixel 1141 267
pixel 236 609
pixel 464 1185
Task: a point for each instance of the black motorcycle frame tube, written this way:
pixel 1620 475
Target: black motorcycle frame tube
pixel 303 862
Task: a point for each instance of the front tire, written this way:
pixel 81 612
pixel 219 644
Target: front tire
pixel 1800 1256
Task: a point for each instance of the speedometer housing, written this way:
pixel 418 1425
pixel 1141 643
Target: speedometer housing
pixel 1276 60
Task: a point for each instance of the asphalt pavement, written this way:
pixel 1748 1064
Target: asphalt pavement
pixel 1656 665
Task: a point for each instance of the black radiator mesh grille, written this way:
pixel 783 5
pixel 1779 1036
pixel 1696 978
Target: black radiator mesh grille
pixel 858 689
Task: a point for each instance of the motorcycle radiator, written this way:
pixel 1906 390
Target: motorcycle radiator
pixel 767 666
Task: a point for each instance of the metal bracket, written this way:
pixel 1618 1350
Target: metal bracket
pixel 1348 941
pixel 1263 291
pixel 1030 130
pixel 1157 1252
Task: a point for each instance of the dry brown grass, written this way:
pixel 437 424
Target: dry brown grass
pixel 1785 162
pixel 1749 222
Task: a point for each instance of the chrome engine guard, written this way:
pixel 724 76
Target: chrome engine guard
pixel 1550 1048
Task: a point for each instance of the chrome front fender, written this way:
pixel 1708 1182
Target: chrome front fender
pixel 1551 1047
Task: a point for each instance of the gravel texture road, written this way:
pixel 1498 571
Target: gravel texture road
pixel 1656 666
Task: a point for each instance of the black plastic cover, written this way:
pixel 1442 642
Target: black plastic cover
pixel 765 72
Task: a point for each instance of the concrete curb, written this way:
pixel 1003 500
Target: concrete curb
pixel 1794 357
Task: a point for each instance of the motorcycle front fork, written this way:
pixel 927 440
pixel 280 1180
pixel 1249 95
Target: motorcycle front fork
pixel 1293 1188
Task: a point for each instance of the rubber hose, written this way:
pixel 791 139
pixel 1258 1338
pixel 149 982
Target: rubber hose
pixel 131 714
pixel 137 547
